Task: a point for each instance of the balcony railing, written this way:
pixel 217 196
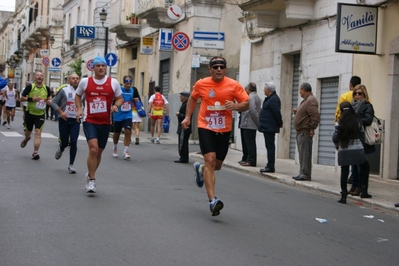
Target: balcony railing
pixel 144 5
pixel 39 23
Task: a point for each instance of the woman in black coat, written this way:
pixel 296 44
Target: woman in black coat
pixel 364 109
pixel 348 138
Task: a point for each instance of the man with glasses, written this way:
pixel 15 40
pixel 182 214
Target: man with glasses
pixel 219 96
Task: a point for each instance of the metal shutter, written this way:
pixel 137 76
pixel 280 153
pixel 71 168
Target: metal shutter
pixel 328 103
pixel 295 97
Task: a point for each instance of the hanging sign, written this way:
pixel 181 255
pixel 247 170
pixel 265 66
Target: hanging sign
pixel 356 29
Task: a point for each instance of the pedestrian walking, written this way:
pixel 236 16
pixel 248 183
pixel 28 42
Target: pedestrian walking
pixel 99 93
pixel 348 137
pixel 136 119
pixel 183 134
pixel 68 127
pixel 307 118
pixel 249 123
pixel 214 123
pixel 270 122
pixel 38 96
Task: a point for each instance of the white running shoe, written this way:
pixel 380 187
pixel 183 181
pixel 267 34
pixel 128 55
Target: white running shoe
pixel 8 126
pixel 90 184
pixel 71 169
pixel 157 141
pixel 152 140
pixel 126 155
pixel 115 153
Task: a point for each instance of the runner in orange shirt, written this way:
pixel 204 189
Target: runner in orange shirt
pixel 220 96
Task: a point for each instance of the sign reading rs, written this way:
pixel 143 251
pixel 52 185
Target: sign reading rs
pixel 85 32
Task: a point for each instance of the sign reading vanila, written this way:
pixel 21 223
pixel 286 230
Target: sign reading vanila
pixel 356 29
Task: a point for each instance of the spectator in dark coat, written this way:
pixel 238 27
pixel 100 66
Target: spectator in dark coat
pixel 364 109
pixel 348 137
pixel 270 122
pixel 248 126
pixel 183 134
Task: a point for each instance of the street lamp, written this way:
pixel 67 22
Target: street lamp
pixel 52 41
pixel 103 18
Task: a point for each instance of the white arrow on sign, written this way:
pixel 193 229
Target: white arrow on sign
pixel 209 35
pixel 110 60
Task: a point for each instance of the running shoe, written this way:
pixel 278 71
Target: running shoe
pixel 8 126
pixel 58 154
pixel 198 174
pixel 71 170
pixel 23 143
pixel 137 141
pixel 35 156
pixel 215 206
pixel 126 155
pixel 152 140
pixel 4 123
pixel 115 153
pixel 157 141
pixel 90 184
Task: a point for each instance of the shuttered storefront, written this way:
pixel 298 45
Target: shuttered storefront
pixel 328 103
pixel 165 76
pixel 295 97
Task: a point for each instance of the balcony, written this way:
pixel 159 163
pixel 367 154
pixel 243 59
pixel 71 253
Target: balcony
pixel 279 13
pixel 37 32
pixel 155 12
pixel 126 29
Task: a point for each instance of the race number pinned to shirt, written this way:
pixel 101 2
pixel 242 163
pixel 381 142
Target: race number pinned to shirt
pixel 98 105
pixel 71 109
pixel 216 116
pixel 41 104
pixel 126 107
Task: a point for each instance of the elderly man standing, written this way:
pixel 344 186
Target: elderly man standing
pixel 270 122
pixel 184 134
pixel 249 125
pixel 307 118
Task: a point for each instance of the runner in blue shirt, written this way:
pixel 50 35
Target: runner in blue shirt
pixel 123 118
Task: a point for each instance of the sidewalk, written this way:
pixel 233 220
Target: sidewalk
pixel 324 178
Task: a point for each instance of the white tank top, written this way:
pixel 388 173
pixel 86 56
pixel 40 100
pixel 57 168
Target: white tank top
pixel 10 98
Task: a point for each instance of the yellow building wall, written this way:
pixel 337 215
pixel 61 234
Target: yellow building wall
pixel 373 69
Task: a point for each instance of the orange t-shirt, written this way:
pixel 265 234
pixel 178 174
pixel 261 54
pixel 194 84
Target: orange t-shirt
pixel 213 114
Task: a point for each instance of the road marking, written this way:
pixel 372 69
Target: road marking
pixel 11 134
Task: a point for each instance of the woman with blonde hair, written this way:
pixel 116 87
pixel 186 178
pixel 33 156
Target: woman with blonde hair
pixel 364 109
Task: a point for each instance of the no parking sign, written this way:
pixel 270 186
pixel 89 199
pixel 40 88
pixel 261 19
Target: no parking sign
pixel 89 65
pixel 180 41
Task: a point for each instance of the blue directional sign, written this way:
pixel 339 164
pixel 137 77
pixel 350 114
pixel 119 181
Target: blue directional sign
pixel 210 36
pixel 165 37
pixel 111 59
pixel 85 32
pixel 55 62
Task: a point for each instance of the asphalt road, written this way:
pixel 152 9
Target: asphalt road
pixel 148 211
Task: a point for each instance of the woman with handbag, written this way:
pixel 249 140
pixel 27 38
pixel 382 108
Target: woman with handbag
pixel 364 109
pixel 348 137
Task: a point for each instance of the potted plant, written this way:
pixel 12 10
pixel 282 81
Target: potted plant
pixel 133 18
